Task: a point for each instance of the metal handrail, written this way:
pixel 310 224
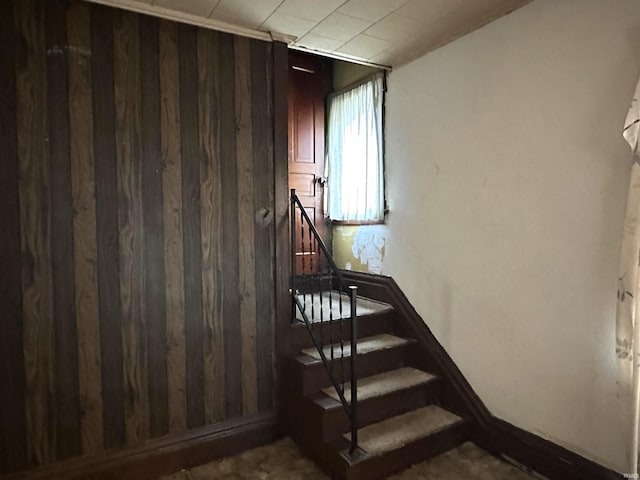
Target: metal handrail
pixel 351 408
pixel 323 357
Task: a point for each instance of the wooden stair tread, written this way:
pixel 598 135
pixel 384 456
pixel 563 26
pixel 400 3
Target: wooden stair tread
pixel 365 345
pixel 383 383
pixel 395 432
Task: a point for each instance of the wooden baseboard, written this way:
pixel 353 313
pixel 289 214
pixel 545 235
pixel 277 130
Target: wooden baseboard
pixel 165 455
pixel 536 454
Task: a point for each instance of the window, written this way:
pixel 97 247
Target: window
pixel 355 172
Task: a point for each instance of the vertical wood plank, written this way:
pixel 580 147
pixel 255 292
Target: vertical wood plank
pixel 209 95
pixel 246 221
pixel 279 75
pixel 84 226
pixel 172 221
pixel 225 55
pixel 66 337
pixel 12 414
pixel 107 227
pixel 282 269
pixel 35 223
pixel 261 99
pixel 130 216
pixel 191 225
pixel 154 280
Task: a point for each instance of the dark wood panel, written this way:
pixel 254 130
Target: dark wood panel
pixel 139 297
pixel 302 123
pixel 12 413
pixel 107 227
pixel 213 280
pixel 152 200
pixel 35 222
pixel 262 114
pixel 84 226
pixel 127 96
pixel 172 221
pixel 191 225
pixel 282 266
pixel 66 337
pixel 225 55
pixel 247 209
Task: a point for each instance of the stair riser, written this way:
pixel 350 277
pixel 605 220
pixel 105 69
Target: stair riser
pixel 313 378
pixel 368 326
pixel 305 431
pixel 386 464
pixel 334 422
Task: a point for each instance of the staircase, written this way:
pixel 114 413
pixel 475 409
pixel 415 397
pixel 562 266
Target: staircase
pixel 365 395
pixel 402 416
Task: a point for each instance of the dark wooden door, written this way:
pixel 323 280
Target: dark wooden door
pixel 306 152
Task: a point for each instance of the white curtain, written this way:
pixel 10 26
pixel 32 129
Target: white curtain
pixel 627 328
pixel 355 187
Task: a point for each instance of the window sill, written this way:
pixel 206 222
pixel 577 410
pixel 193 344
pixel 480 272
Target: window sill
pixel 355 223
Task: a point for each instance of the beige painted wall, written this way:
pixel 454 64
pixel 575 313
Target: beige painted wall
pixel 507 177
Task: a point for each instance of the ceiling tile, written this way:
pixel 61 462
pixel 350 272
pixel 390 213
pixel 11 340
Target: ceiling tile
pixel 383 58
pixel 340 27
pixel 316 42
pixel 247 13
pixel 371 10
pixel 281 23
pixel 201 8
pixel 394 28
pixel 364 46
pixel 389 32
pixel 316 10
pixel 427 11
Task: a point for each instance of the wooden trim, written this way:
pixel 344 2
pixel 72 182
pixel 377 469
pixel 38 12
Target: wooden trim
pixel 335 56
pixel 525 449
pixel 387 290
pixel 166 455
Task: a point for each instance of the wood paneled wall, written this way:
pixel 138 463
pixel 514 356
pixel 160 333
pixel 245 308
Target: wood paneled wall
pixel 137 286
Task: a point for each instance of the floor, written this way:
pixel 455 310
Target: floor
pixel 283 461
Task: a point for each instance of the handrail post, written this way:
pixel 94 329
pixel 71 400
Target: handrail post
pixel 353 292
pixel 292 208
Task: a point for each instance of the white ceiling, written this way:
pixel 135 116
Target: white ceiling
pixel 385 32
